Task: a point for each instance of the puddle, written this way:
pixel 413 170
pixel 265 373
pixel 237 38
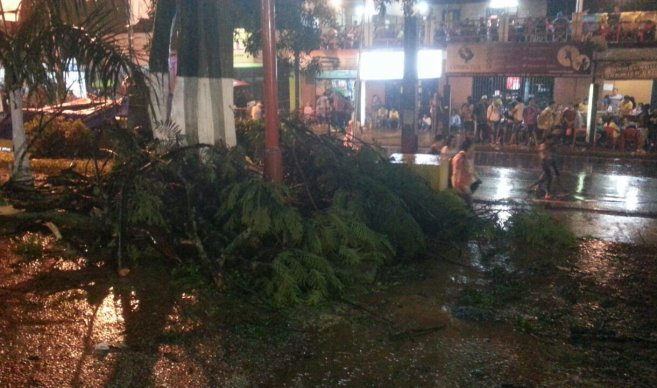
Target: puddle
pixel 588 323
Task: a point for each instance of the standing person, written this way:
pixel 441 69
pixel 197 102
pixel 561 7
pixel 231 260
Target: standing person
pixel 435 110
pixel 517 113
pixel 340 110
pixel 481 122
pixel 322 109
pixel 615 100
pixel 256 111
pixel 547 120
pixel 425 123
pixel 530 117
pixel 494 118
pixel 375 105
pixel 568 123
pixel 467 116
pixel 393 119
pixel 463 173
pixel 549 167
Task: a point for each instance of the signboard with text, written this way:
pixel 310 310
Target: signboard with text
pixel 540 59
pixel 627 70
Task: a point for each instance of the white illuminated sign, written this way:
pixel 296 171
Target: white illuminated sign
pixel 503 3
pixel 389 65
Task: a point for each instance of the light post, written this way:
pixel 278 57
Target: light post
pixel 273 156
pixel 409 85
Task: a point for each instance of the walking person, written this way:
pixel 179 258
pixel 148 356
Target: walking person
pixel 550 174
pixel 464 177
pixel 494 118
pixel 467 117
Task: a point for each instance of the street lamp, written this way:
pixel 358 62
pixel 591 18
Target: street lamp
pixel 9 10
pixel 503 3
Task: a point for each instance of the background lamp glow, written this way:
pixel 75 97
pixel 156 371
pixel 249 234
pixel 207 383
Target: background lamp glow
pixel 389 65
pixel 503 3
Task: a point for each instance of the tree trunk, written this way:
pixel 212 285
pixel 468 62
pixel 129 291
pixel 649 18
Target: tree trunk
pixel 203 93
pixel 160 81
pixel 20 172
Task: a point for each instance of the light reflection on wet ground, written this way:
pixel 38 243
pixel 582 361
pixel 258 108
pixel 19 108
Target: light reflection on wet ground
pixel 610 199
pixel 599 318
pixel 52 328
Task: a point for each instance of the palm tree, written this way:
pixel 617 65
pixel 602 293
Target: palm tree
pixel 35 50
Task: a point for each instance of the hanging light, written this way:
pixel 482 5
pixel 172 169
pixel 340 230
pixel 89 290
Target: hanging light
pixel 9 9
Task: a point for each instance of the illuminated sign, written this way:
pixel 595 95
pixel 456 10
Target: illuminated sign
pixel 382 65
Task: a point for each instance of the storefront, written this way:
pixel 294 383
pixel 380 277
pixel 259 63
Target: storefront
pixel 338 72
pixel 385 82
pixel 631 71
pixel 546 71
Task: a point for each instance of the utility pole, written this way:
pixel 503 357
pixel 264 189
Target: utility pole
pixel 410 83
pixel 273 156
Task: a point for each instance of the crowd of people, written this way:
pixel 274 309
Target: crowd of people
pixel 606 26
pixel 345 37
pixel 626 125
pixel 330 108
pixel 519 30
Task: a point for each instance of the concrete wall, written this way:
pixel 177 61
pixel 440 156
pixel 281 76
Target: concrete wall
pixel 640 89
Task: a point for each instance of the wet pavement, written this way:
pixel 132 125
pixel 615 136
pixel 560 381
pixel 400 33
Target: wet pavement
pixel 609 198
pixel 68 322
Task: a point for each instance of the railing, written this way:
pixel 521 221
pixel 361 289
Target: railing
pixel 622 28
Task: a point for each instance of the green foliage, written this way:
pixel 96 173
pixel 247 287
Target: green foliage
pixel 338 217
pixel 537 231
pixel 301 276
pixel 324 172
pixel 262 208
pixel 56 137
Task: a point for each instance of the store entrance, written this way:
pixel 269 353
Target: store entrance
pixel 512 87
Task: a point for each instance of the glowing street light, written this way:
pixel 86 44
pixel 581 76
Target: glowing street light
pixel 9 10
pixel 503 4
pixel 422 8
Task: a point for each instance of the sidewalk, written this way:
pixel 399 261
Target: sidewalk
pixel 390 140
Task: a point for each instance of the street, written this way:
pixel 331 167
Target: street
pixel 608 198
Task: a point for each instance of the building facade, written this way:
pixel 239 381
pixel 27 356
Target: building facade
pixel 488 50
